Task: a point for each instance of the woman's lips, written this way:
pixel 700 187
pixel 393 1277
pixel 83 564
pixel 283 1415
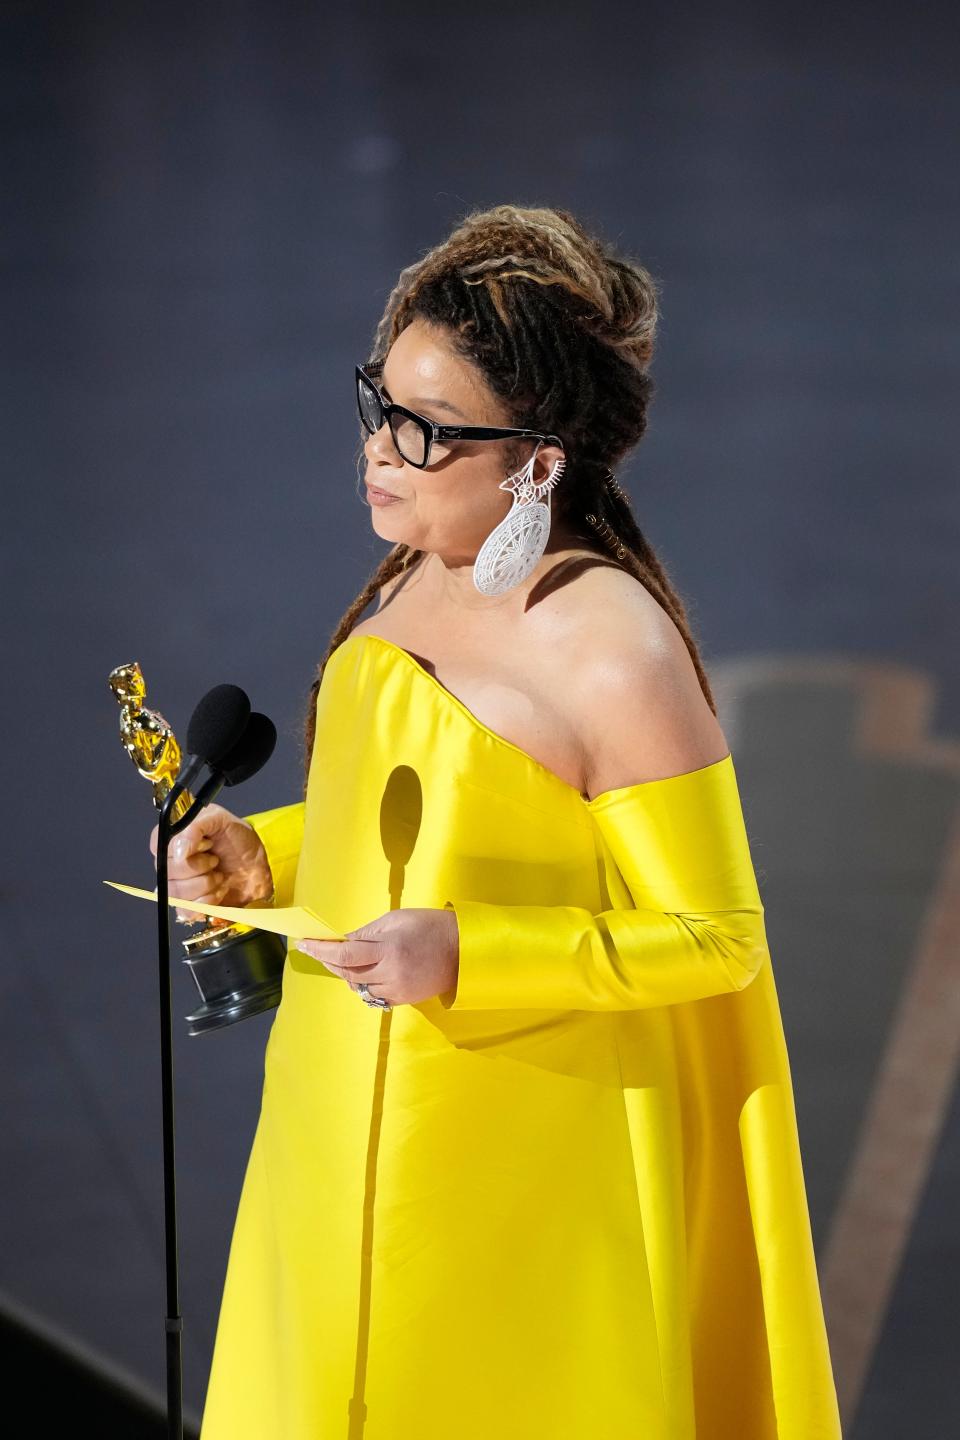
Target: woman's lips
pixel 380 497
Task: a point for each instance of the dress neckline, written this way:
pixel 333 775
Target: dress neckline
pixel 596 803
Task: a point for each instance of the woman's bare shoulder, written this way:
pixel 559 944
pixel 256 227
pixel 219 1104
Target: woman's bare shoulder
pixel 605 606
pixel 641 712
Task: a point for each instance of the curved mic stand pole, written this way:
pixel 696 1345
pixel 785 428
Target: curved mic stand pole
pixel 166 830
pixel 174 1320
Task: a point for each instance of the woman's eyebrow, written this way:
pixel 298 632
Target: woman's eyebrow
pixel 434 404
pixel 438 405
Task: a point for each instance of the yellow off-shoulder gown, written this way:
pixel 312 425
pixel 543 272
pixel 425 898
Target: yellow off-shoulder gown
pixel 568 1205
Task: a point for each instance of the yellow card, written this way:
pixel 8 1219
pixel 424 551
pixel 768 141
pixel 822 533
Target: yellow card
pixel 297 922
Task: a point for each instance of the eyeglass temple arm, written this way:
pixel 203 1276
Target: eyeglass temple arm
pixel 471 432
pixel 485 432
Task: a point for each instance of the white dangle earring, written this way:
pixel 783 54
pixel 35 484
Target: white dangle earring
pixel 514 547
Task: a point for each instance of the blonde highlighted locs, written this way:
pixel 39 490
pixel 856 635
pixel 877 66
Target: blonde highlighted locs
pixel 562 330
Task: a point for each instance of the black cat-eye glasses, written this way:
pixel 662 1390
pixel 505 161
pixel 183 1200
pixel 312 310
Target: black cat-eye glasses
pixel 414 434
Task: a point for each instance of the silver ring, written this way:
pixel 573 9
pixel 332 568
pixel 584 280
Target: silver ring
pixel 369 999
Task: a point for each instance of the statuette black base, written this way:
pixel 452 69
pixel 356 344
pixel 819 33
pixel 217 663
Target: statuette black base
pixel 238 973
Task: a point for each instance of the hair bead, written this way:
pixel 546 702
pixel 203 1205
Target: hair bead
pixel 613 485
pixel 608 535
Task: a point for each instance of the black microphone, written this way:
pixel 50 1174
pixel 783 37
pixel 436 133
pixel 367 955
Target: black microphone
pixel 248 755
pixel 251 752
pixel 217 724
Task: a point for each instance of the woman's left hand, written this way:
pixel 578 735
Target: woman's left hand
pixel 403 956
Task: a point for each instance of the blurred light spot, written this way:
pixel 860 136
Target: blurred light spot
pixel 372 154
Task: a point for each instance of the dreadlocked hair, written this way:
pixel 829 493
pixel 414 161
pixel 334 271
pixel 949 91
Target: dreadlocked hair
pixel 562 330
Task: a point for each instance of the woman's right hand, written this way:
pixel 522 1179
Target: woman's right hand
pixel 218 859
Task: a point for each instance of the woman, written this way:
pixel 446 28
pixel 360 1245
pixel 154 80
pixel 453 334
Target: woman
pixel 527 1160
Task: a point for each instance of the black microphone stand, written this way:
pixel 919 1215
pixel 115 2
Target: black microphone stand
pixel 167 828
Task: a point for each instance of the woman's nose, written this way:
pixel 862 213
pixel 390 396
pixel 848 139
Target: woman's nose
pixel 381 449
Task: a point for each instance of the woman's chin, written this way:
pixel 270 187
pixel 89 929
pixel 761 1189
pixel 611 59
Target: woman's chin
pixel 389 527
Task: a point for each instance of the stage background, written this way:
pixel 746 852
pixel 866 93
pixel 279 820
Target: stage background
pixel 205 208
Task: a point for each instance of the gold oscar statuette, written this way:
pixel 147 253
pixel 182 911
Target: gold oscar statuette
pixel 237 968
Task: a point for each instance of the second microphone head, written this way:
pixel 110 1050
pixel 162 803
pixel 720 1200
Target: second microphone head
pixel 252 750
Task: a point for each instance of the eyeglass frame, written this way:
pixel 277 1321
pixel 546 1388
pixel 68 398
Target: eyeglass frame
pixel 430 429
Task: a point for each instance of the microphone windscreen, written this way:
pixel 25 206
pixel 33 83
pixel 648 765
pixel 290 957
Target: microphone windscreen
pixel 252 750
pixel 218 722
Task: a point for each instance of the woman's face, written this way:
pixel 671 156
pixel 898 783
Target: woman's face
pixel 452 506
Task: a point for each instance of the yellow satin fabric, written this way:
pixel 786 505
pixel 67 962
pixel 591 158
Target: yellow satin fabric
pixel 566 1205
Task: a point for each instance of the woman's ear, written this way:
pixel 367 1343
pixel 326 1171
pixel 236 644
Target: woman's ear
pixel 547 457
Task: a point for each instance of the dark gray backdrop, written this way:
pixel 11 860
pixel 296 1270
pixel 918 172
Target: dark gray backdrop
pixel 205 209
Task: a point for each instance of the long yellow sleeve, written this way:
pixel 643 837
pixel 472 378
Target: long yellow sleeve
pixel 281 831
pixel 695 927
